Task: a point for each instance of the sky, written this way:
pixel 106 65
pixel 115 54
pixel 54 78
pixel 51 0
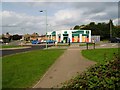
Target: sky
pixel 21 17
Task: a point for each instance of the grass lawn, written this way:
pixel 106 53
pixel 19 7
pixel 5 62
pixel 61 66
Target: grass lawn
pixel 25 69
pixel 10 46
pixel 84 44
pixel 100 55
pixel 62 44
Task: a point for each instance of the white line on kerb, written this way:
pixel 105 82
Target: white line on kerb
pixel 114 44
pixel 103 45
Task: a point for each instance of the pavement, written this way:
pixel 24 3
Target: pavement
pixel 66 66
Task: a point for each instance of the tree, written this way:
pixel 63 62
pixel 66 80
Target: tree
pixel 82 26
pixel 35 35
pixel 101 29
pixel 76 27
pixel 116 31
pixel 3 35
pixel 92 24
pixel 27 37
pixel 16 37
pixel 7 35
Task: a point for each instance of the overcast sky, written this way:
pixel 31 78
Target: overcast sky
pixel 24 17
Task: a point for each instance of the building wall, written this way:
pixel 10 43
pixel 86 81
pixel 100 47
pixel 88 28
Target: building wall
pixel 73 35
pixel 95 38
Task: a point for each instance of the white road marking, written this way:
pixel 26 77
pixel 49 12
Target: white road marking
pixel 103 45
pixel 114 44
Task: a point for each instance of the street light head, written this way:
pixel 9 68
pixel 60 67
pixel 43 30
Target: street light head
pixel 41 11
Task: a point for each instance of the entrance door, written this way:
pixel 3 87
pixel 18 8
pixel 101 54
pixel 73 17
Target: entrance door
pixel 66 39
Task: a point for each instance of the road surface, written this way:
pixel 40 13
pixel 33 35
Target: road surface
pixel 13 51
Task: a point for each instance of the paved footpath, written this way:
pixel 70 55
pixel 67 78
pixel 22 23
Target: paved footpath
pixel 66 67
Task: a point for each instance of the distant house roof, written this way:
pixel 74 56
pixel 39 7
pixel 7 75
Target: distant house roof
pixel 42 36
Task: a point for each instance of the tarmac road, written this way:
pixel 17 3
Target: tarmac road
pixel 36 47
pixel 14 51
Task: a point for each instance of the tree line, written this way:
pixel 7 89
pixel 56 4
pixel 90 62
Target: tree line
pixel 102 29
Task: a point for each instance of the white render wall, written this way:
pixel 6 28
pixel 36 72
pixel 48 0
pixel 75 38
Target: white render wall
pixel 69 32
pixel 90 36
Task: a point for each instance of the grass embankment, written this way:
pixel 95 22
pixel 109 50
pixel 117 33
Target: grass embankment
pixel 103 75
pixel 62 44
pixel 25 69
pixel 90 44
pixel 100 55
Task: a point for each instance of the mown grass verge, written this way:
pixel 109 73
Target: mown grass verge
pixel 62 44
pixel 84 44
pixel 25 69
pixel 100 55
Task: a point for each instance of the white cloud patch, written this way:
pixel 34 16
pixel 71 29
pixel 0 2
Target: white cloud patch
pixel 60 0
pixel 68 17
pixel 15 22
pixel 97 15
pixel 116 21
pixel 60 16
pixel 63 14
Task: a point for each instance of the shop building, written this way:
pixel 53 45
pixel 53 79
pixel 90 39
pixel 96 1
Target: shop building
pixel 73 35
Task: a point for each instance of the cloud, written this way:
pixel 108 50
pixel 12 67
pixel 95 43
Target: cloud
pixel 84 13
pixel 60 0
pixel 65 15
pixel 11 20
pixel 60 16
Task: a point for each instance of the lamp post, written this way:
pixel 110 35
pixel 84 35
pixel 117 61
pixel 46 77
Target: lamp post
pixel 46 25
pixel 110 28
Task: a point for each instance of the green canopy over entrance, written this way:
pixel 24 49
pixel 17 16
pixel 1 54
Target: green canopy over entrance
pixel 79 32
pixel 54 33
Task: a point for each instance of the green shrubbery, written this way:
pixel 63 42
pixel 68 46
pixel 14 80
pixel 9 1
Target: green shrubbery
pixel 98 76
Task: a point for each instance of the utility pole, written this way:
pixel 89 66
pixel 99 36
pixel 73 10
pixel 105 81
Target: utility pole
pixel 110 28
pixel 46 25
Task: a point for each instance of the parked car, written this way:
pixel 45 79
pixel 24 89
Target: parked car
pixel 115 40
pixel 50 41
pixel 35 42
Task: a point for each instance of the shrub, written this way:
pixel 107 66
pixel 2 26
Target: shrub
pixel 98 76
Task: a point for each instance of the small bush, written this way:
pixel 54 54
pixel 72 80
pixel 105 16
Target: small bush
pixel 98 76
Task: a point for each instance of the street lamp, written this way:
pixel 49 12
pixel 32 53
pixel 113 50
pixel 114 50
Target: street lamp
pixel 110 28
pixel 46 25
